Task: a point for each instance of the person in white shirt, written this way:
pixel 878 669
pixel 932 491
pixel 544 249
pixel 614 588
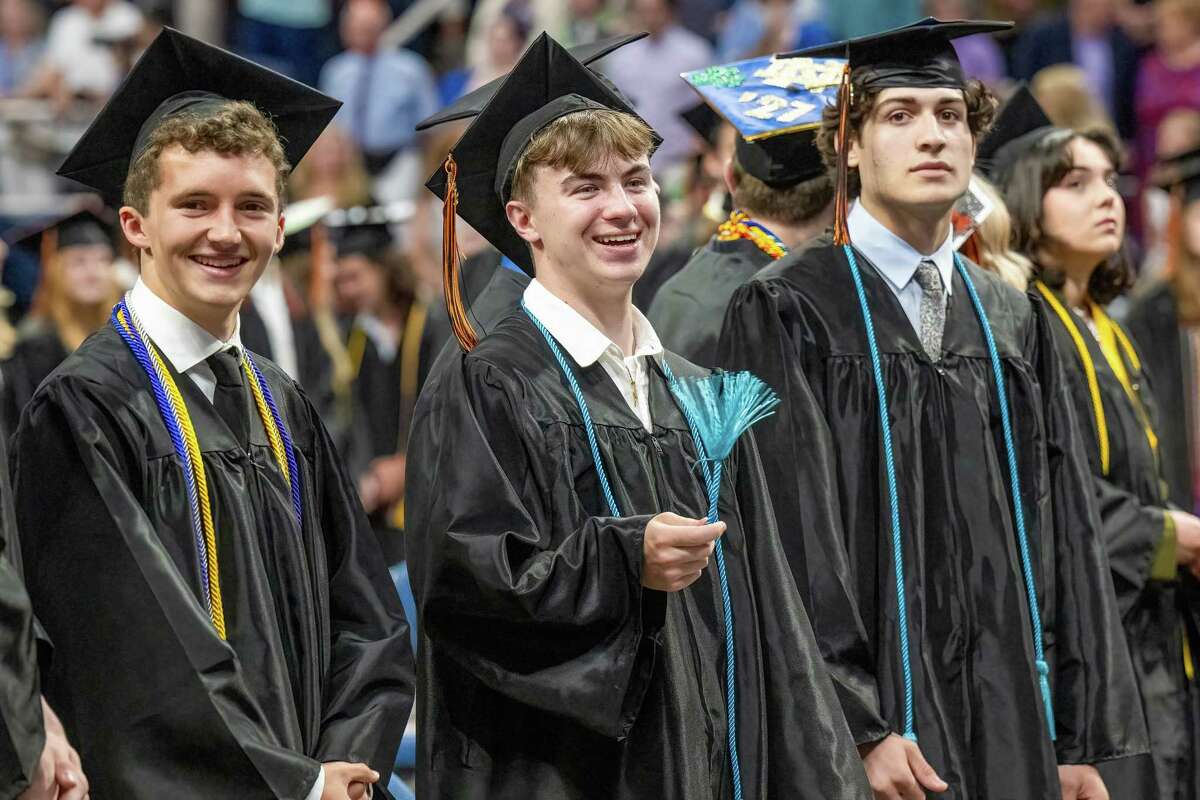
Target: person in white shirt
pixel 77 62
pixel 556 512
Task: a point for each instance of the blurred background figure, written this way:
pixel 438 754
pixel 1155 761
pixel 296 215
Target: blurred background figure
pixel 77 289
pixel 22 25
pixel 760 27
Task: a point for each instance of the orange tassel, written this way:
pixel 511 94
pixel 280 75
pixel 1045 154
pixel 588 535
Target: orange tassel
pixel 451 289
pixel 1174 233
pixel 48 277
pixel 841 197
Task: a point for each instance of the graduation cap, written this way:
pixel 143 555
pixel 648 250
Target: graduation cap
pixel 919 55
pixel 181 75
pixel 546 84
pixel 1020 123
pixel 776 106
pixel 1179 172
pixel 473 102
pixel 703 120
pixel 365 230
pixel 75 229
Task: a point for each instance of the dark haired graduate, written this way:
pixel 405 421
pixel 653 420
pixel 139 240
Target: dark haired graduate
pixel 222 620
pixel 576 641
pixel 967 612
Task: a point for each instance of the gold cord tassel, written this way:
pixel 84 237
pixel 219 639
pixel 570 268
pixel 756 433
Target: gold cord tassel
pixel 841 199
pixel 452 291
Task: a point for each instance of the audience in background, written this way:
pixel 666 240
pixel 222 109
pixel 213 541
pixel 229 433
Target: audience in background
pixel 21 44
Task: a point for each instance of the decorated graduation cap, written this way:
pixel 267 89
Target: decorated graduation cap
pixel 919 55
pixel 776 106
pixel 1021 122
pixel 475 181
pixel 366 230
pixel 474 101
pixel 179 75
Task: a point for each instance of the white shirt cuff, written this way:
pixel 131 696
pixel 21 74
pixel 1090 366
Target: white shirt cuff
pixel 318 788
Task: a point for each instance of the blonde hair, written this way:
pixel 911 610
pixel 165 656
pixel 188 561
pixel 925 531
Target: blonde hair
pixel 576 141
pixel 235 128
pixel 1062 91
pixel 994 238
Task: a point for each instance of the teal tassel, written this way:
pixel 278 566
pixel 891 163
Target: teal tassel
pixel 719 408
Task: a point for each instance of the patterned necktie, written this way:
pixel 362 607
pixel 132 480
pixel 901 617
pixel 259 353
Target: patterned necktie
pixel 230 399
pixel 933 308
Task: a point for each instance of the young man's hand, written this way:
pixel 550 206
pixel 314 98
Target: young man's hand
pixel 1187 540
pixel 1081 782
pixel 675 551
pixel 898 771
pixel 59 775
pixel 345 781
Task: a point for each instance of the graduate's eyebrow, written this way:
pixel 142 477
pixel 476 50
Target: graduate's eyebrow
pixel 909 101
pixel 194 194
pixel 636 169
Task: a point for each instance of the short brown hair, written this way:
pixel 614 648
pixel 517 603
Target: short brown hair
pixel 1025 184
pixel 235 128
pixel 576 140
pixel 793 205
pixel 981 111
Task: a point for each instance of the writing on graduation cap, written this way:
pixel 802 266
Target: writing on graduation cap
pixel 769 96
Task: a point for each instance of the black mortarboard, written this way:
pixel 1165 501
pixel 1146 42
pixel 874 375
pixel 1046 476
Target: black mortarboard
pixel 1183 171
pixel 782 161
pixel 474 101
pixel 177 75
pixel 918 55
pixel 366 230
pixel 75 229
pixel 1020 123
pixel 703 120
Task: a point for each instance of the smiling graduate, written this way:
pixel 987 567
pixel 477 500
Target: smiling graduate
pixel 222 619
pixel 573 636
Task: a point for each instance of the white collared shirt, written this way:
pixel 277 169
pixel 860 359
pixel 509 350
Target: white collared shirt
pixel 184 343
pixel 897 261
pixel 587 344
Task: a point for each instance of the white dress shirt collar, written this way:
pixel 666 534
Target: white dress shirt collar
pixel 894 258
pixel 583 340
pixel 182 341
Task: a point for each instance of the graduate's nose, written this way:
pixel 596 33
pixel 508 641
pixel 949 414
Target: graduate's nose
pixel 224 230
pixel 619 206
pixel 930 134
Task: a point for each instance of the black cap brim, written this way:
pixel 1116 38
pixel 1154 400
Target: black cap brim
pixel 546 74
pixel 1021 115
pixel 175 63
pixel 82 227
pixel 474 101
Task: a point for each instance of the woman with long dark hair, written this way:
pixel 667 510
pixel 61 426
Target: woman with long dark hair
pixel 1069 219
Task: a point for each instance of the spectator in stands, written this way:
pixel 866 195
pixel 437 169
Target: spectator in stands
pixel 386 91
pixel 76 65
pixel 1169 76
pixel 648 73
pixel 290 36
pixel 862 17
pixel 758 27
pixel 21 44
pixel 980 55
pixel 589 20
pixel 1062 90
pixel 1085 34
pixel 333 168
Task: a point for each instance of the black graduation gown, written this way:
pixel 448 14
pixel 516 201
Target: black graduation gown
pixel 37 352
pixel 317 666
pixel 979 712
pixel 1153 322
pixel 22 736
pixel 546 670
pixel 313 363
pixel 1132 504
pixel 688 310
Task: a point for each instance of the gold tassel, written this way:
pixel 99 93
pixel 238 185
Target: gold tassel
pixel 452 291
pixel 841 197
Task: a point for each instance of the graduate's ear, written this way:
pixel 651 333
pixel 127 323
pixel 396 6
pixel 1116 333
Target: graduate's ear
pixel 278 235
pixel 854 150
pixel 730 177
pixel 133 225
pixel 520 216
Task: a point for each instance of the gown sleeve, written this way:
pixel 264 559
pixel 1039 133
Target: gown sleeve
pixel 811 748
pixel 516 586
pixel 1097 706
pixel 23 735
pixel 151 697
pixel 369 693
pixel 799 463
